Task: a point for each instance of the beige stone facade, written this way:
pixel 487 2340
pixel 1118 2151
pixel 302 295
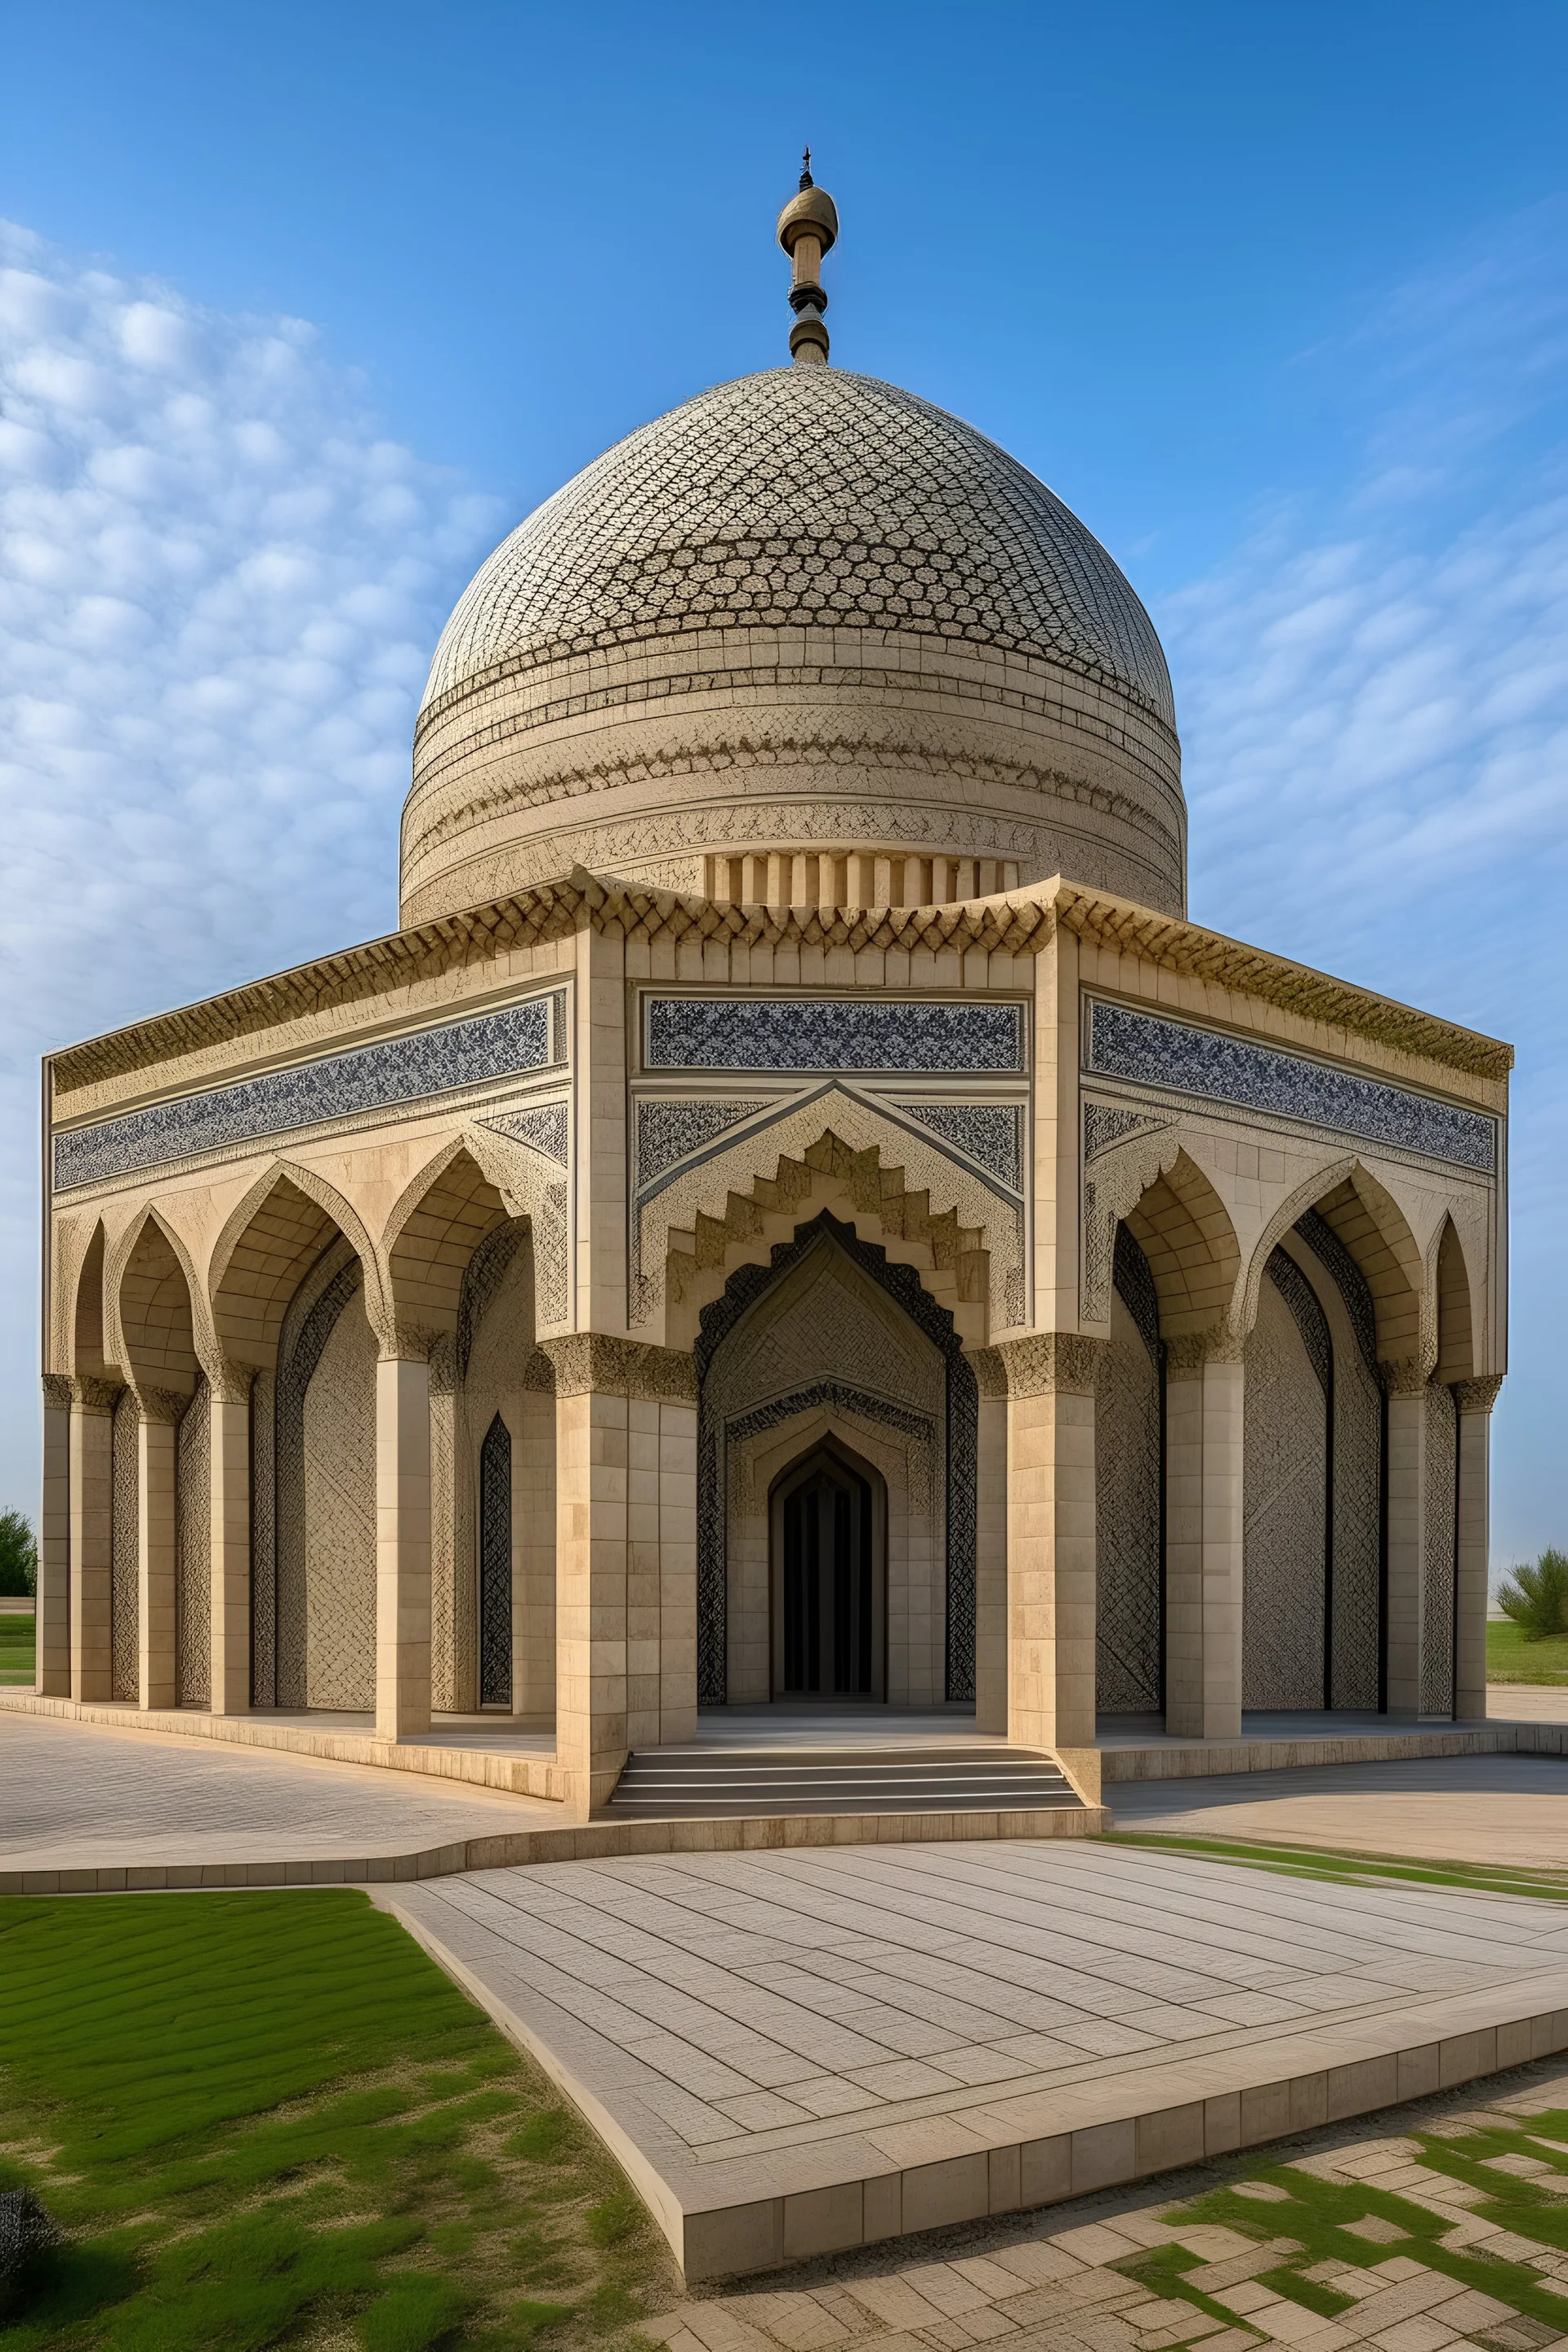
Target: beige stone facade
pixel 797 1215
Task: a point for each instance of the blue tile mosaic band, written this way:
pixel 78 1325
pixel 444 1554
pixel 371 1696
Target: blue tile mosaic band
pixel 817 1032
pixel 367 1078
pixel 1123 1044
pixel 991 1134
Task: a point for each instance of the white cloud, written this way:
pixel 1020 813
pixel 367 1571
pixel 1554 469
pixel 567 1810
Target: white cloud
pixel 1374 696
pixel 219 588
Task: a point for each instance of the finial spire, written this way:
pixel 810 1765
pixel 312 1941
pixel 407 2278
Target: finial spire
pixel 808 227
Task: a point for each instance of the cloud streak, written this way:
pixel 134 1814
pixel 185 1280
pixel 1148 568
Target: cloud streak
pixel 1373 694
pixel 219 586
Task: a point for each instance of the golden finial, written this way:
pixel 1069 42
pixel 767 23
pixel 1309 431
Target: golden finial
pixel 808 227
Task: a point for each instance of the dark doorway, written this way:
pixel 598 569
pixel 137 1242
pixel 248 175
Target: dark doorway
pixel 827 1517
pixel 495 1566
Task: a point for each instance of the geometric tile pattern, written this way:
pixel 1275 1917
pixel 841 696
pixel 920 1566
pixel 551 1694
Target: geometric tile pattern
pixel 992 1134
pixel 1440 1564
pixel 1285 1496
pixel 546 1126
pixel 814 502
pixel 366 1077
pixel 1145 1046
pixel 668 1132
pixel 1447 2234
pixel 806 1033
pixel 760 2024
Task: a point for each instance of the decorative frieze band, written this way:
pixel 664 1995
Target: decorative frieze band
pixel 916 1035
pixel 590 1362
pixel 1147 1047
pixel 1047 1363
pixel 397 1070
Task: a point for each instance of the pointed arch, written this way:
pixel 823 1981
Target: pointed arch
pixel 1455 1307
pixel 89 1331
pixel 150 1290
pixel 436 1223
pixel 268 1244
pixel 1184 1230
pixel 1363 1215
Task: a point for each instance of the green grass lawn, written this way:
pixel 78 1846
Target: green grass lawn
pixel 15 1649
pixel 270 2119
pixel 1512 1657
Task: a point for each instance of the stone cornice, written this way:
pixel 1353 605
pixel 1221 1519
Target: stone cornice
pixel 1021 923
pixel 1184 948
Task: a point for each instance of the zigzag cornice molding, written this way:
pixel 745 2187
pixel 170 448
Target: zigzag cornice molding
pixel 1020 922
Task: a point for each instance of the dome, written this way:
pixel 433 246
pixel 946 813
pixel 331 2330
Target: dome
pixel 805 618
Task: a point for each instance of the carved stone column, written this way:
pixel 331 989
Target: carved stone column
pixel 1050 1538
pixel 403 1546
pixel 1475 1400
pixel 229 1491
pixel 626 1556
pixel 91 1451
pixel 1407 1472
pixel 157 1673
pixel 1204 1398
pixel 53 1617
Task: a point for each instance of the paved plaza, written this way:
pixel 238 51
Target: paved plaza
pixel 797 2053
pixel 77 1797
pixel 1441 2239
pixel 1478 1809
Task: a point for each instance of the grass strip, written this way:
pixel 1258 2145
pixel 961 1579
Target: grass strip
pixel 268 2117
pixel 1336 1863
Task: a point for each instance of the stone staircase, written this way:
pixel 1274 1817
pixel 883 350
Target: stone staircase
pixel 702 1784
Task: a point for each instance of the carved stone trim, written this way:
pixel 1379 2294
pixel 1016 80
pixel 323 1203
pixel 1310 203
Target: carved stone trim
pixel 90 1395
pixel 1478 1396
pixel 57 1390
pixel 1050 1362
pixel 168 1406
pixel 989 1371
pixel 1020 924
pixel 595 1362
pixel 1405 1377
pixel 1187 1356
pixel 230 1382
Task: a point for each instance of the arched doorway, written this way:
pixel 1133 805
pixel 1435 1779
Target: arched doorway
pixel 827 1523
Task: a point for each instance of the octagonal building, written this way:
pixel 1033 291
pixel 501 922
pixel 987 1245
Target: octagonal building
pixel 797 1245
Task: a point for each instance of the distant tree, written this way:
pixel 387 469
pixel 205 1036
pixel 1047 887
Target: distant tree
pixel 1536 1596
pixel 18 1553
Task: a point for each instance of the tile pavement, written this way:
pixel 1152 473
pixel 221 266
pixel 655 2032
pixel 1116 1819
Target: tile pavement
pixel 1485 1809
pixel 793 2052
pixel 1434 2263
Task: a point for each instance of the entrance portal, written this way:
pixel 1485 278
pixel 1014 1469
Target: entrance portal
pixel 827 1517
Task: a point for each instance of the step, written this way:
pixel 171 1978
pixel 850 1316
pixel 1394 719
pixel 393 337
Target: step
pixel 688 1783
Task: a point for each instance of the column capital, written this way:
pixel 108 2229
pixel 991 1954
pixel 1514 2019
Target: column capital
pixel 56 1388
pixel 1405 1376
pixel 167 1405
pixel 585 1362
pixel 1478 1396
pixel 1191 1351
pixel 1046 1363
pixel 93 1395
pixel 410 1343
pixel 230 1382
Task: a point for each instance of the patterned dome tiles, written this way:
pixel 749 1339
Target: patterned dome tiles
pixel 806 499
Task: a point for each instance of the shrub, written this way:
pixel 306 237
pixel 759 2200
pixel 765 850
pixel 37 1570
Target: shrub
pixel 1536 1596
pixel 18 1554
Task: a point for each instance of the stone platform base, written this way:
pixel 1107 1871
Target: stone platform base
pixel 794 2054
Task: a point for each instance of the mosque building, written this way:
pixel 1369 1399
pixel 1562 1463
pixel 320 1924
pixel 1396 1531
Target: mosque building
pixel 796 1223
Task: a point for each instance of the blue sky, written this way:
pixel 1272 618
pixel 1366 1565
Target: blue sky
pixel 302 306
